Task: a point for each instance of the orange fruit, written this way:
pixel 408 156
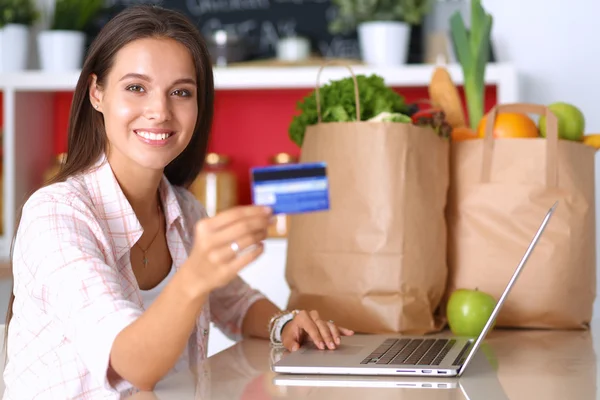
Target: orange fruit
pixel 510 125
pixel 462 133
pixel 592 140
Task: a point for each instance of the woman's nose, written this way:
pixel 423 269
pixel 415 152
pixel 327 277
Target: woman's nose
pixel 158 108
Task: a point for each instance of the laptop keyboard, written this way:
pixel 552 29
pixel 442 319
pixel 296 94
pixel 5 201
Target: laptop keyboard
pixel 410 351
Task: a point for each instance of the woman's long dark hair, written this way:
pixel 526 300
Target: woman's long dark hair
pixel 86 136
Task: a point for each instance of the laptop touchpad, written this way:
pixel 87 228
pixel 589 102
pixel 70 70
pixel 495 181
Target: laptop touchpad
pixel 341 350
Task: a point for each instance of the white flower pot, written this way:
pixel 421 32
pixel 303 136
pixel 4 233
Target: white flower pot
pixel 14 46
pixel 61 51
pixel 384 43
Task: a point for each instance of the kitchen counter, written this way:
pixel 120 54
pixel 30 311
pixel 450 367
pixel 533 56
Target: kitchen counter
pixel 513 365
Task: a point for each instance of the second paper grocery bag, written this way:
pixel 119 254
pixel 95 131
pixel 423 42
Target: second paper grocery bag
pixel 500 191
pixel 376 261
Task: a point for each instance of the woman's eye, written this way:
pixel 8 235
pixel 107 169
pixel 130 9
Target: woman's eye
pixel 182 93
pixel 135 88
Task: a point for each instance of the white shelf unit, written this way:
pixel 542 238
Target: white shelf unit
pixel 240 78
pixel 28 113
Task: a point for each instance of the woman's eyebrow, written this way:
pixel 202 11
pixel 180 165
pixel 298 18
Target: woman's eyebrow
pixel 146 78
pixel 136 76
pixel 191 81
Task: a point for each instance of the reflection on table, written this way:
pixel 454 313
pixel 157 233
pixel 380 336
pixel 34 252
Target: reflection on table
pixel 512 365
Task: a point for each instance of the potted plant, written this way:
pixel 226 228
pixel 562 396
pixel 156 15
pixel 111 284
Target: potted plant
pixel 383 26
pixel 62 45
pixel 16 17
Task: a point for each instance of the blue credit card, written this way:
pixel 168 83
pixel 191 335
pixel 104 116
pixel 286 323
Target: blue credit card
pixel 291 188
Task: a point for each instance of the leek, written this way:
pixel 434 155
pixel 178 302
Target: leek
pixel 473 52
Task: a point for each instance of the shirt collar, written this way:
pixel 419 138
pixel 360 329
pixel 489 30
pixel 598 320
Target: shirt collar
pixel 170 203
pixel 124 226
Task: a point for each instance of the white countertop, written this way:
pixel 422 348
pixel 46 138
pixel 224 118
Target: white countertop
pixel 516 365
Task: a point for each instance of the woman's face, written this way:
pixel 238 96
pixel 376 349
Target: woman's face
pixel 149 103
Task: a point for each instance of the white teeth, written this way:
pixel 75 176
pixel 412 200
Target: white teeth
pixel 153 136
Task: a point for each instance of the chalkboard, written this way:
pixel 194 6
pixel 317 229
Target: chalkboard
pixel 264 22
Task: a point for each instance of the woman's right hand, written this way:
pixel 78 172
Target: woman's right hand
pixel 227 242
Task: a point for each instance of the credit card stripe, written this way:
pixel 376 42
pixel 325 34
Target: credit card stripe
pixel 291 186
pixel 284 174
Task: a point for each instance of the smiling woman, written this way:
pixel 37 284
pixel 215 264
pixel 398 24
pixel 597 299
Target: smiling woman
pixel 117 271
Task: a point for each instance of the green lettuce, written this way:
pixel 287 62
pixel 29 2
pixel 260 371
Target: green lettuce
pixel 338 103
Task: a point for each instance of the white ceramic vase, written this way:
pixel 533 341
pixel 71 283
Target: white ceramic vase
pixel 14 46
pixel 61 51
pixel 384 43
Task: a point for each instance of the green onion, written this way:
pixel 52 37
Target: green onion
pixel 473 51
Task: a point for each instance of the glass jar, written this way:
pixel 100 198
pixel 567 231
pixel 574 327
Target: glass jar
pixel 57 164
pixel 1 182
pixel 280 227
pixel 216 185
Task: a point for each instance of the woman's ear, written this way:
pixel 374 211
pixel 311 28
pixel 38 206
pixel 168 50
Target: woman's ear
pixel 95 93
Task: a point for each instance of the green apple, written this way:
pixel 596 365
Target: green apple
pixel 571 122
pixel 468 310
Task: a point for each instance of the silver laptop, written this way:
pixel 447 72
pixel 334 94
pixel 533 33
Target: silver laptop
pixel 480 382
pixel 399 355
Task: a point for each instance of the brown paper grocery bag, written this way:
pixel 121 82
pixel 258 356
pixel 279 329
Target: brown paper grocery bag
pixel 500 190
pixel 376 261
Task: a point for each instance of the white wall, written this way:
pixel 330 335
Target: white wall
pixel 552 43
pixel 555 48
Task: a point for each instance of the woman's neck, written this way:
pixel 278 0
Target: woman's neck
pixel 140 186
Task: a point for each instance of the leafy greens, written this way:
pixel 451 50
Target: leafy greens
pixel 338 103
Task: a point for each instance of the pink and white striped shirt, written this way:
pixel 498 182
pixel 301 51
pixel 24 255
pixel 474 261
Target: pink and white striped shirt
pixel 75 289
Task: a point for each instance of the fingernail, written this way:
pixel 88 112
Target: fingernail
pixel 267 210
pixel 337 340
pixel 331 345
pixel 321 345
pixel 295 347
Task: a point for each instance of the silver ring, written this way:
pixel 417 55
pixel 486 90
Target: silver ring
pixel 235 247
pixel 330 321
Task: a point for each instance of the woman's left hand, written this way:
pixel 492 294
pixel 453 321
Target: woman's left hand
pixel 309 326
